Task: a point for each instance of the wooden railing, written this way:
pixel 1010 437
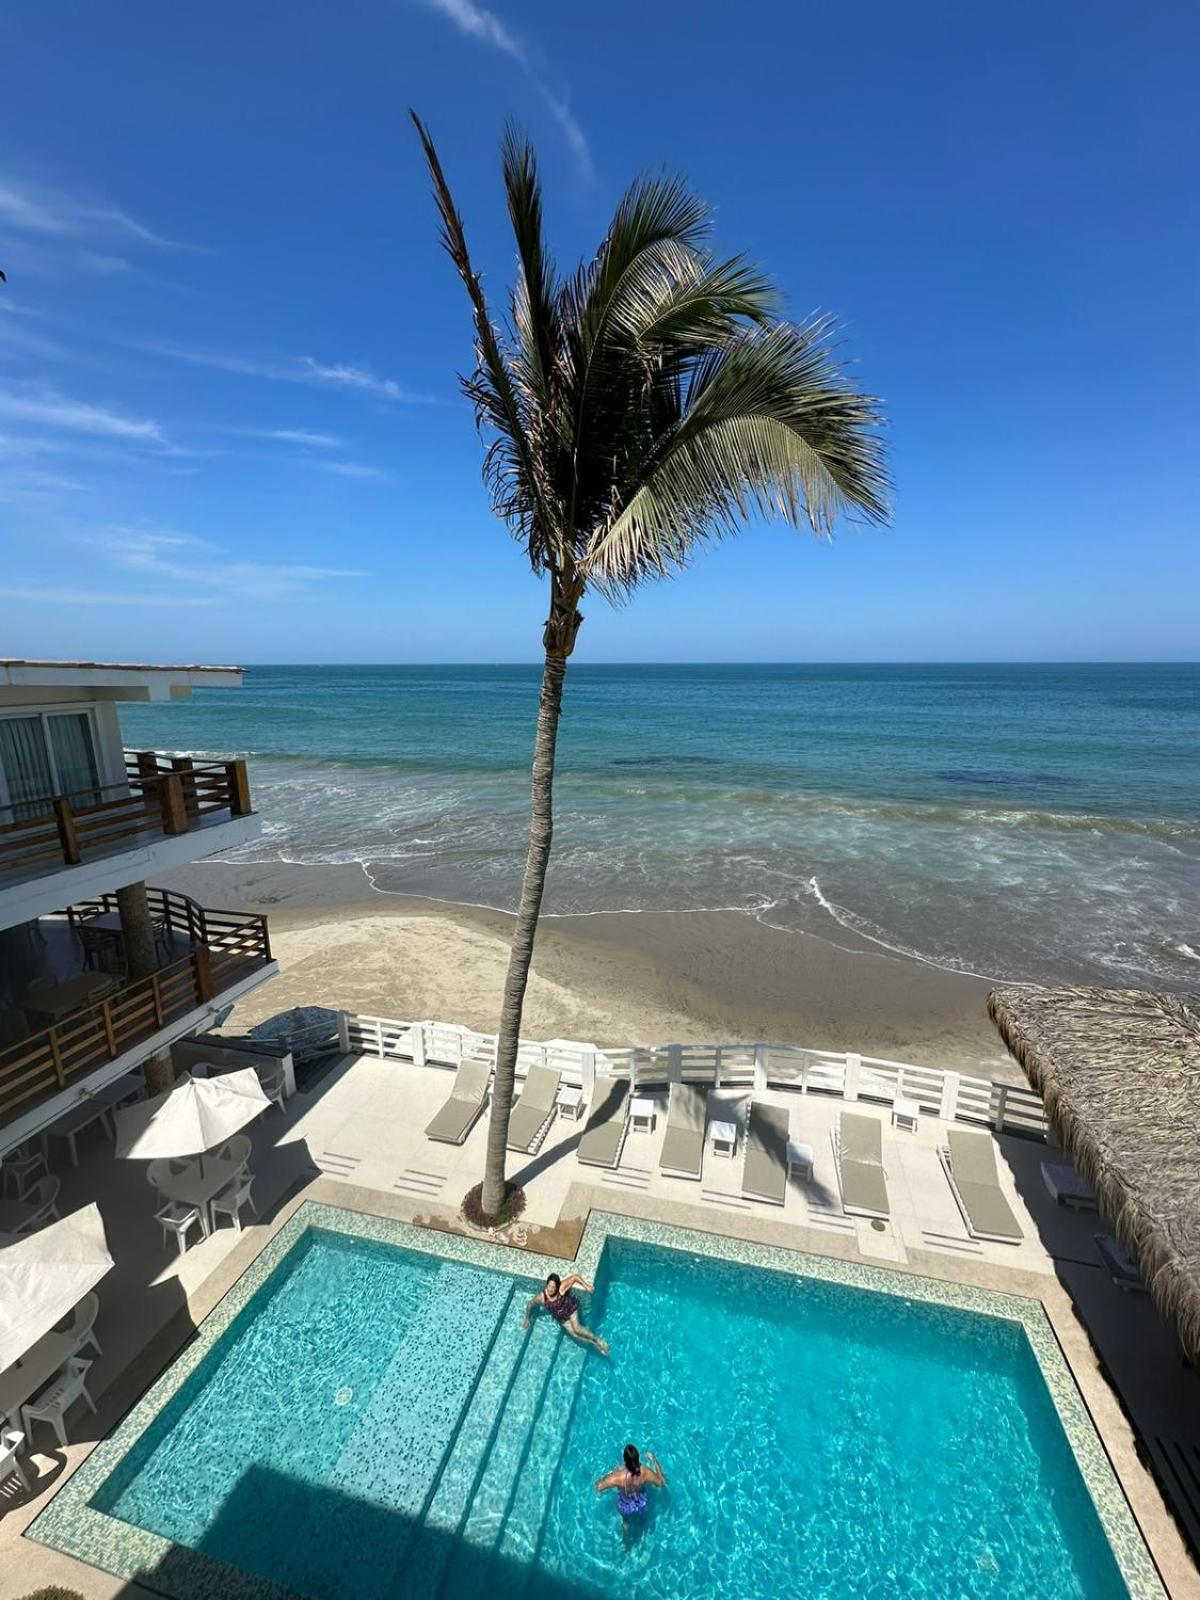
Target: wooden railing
pixel 160 797
pixel 227 947
pixel 952 1096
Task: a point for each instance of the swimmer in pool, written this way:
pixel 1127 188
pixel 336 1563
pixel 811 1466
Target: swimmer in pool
pixel 631 1481
pixel 557 1299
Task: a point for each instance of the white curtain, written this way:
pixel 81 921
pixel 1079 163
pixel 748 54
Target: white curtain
pixel 74 757
pixel 26 763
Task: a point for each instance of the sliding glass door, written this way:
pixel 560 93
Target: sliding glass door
pixel 46 754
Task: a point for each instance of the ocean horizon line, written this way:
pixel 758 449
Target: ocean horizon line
pixel 1078 661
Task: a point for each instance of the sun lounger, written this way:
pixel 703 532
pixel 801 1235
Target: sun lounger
pixel 604 1136
pixel 683 1143
pixel 858 1152
pixel 465 1106
pixel 534 1109
pixel 1121 1268
pixel 764 1171
pixel 1067 1188
pixel 969 1162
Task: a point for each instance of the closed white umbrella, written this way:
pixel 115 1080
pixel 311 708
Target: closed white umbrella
pixel 44 1276
pixel 191 1118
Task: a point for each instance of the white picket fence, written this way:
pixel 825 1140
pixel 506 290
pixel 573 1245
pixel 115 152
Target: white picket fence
pixel 952 1096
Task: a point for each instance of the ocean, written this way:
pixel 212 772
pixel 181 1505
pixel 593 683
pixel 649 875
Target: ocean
pixel 1019 822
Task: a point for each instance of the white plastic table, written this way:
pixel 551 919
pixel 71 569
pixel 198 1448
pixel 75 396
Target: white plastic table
pixel 197 1186
pixel 905 1114
pixel 799 1156
pixel 723 1136
pixel 96 1106
pixel 570 1102
pixel 643 1111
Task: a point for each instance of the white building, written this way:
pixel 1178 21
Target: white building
pixel 97 972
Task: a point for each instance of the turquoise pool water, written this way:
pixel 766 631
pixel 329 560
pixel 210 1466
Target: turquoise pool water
pixel 375 1423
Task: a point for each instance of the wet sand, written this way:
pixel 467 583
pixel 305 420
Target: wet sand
pixel 615 978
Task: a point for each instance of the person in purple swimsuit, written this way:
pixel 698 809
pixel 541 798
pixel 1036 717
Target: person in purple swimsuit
pixel 631 1480
pixel 562 1305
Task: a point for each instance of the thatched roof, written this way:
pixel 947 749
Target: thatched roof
pixel 1119 1072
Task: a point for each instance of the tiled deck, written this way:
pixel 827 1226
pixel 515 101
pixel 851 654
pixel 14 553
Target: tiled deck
pixel 356 1138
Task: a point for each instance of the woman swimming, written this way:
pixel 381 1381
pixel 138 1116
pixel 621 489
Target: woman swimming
pixel 562 1305
pixel 630 1481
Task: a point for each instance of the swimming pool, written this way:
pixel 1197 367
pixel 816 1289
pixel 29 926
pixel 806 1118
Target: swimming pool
pixel 364 1417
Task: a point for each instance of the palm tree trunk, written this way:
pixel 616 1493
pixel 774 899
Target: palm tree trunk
pixel 559 640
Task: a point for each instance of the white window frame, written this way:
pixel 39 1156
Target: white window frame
pixel 43 713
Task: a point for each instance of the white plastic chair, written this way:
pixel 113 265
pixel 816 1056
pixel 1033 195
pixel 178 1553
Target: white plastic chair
pixel 53 1403
pixel 81 1327
pixel 43 1197
pixel 11 1442
pixel 231 1200
pixel 165 1168
pixel 271 1079
pixel 176 1218
pixel 20 1167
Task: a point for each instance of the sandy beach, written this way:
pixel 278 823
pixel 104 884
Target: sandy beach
pixel 614 978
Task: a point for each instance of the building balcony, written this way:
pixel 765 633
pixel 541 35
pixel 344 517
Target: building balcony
pixel 71 1017
pixel 167 812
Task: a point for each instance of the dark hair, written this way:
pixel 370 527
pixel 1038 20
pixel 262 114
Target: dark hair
pixel 633 1461
pixel 555 1280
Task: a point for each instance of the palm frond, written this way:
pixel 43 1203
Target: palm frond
pixel 512 463
pixel 534 309
pixel 770 423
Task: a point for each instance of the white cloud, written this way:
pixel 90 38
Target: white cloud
pixel 313 441
pixel 300 369
pixel 30 208
pixel 77 416
pixel 97 597
pixel 199 564
pixel 476 22
pixel 342 376
pixel 350 469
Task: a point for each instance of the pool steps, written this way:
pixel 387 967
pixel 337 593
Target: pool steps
pixel 484 1504
pixel 387 1458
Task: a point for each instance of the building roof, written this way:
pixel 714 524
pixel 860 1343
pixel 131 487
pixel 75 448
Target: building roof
pixel 116 680
pixel 1119 1072
pixel 107 666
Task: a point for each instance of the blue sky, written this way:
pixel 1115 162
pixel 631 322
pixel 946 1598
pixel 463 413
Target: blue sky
pixel 229 428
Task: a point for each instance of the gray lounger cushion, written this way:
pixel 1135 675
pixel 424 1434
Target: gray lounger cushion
pixel 534 1109
pixel 683 1143
pixel 860 1166
pixel 605 1131
pixel 764 1174
pixel 459 1115
pixel 976 1183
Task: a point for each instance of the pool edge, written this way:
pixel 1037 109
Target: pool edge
pixel 70 1525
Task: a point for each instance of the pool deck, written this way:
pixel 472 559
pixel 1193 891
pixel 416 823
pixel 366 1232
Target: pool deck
pixel 356 1140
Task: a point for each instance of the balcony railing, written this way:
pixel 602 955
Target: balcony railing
pixel 160 797
pixel 226 947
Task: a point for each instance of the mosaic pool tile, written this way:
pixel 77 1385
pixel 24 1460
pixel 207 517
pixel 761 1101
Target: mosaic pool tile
pixel 72 1525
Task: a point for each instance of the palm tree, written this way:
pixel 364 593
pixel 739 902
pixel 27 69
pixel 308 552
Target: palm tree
pixel 635 410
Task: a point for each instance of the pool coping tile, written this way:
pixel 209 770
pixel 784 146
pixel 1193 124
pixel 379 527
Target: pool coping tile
pixel 71 1525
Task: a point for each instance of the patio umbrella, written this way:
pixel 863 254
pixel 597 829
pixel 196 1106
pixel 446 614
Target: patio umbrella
pixel 191 1118
pixel 43 1276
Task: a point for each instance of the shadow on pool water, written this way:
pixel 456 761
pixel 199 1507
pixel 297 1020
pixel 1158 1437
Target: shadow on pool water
pixel 321 1544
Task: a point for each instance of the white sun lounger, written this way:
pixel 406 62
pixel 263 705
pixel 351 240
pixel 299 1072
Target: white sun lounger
pixel 465 1106
pixel 969 1161
pixel 765 1164
pixel 858 1154
pixel 1121 1268
pixel 607 1124
pixel 1067 1188
pixel 532 1113
pixel 683 1143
